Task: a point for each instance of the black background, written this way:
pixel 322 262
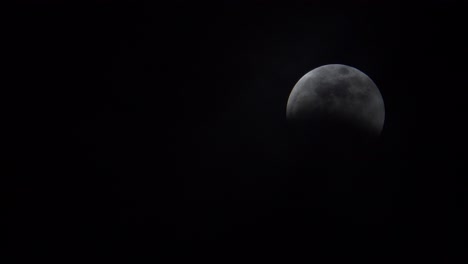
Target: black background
pixel 147 130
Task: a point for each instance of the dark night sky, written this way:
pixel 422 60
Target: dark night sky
pixel 153 130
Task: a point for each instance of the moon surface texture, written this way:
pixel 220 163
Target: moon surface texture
pixel 337 103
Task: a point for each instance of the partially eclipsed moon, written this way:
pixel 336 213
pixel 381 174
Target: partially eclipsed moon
pixel 339 95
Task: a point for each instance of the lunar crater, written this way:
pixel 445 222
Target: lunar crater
pixel 343 70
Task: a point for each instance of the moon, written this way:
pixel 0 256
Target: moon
pixel 337 101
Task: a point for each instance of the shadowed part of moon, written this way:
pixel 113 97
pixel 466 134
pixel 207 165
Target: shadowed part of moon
pixel 336 104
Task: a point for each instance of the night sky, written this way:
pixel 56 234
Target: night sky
pixel 147 131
